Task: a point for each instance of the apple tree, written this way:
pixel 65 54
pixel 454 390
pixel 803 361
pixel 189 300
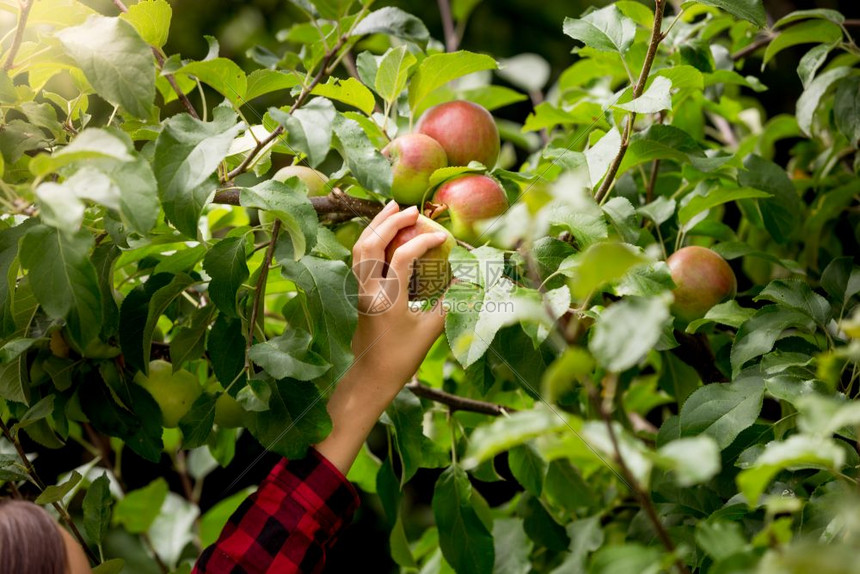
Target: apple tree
pixel 655 338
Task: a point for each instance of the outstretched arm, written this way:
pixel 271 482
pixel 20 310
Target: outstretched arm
pixel 294 517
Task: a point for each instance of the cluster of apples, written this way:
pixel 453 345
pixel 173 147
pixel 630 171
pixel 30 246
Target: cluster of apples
pixel 451 134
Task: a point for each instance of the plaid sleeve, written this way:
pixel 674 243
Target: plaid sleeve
pixel 288 524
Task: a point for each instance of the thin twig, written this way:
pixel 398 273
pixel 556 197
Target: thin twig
pixel 324 71
pixel 457 403
pixel 641 495
pixel 756 45
pixel 61 510
pixel 656 38
pixel 451 38
pixel 19 34
pixel 260 291
pixel 159 57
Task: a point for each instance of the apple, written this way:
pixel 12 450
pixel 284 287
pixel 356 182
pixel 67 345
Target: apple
pixel 174 392
pixel 431 273
pixel 228 412
pixel 466 131
pixel 414 158
pixel 348 233
pixel 702 280
pixel 313 179
pixel 471 198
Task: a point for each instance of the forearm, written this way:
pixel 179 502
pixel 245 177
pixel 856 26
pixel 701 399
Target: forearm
pixel 360 398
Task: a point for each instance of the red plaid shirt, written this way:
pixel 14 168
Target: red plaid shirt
pixel 288 524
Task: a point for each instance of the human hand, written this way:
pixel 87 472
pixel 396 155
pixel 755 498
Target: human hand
pixel 391 338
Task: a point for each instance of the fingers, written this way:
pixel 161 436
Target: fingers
pixel 404 256
pixel 373 241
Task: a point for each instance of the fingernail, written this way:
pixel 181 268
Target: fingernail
pixel 390 205
pixel 441 235
pixel 412 209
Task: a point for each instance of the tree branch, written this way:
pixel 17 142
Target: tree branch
pixel 19 34
pixel 303 95
pixel 751 48
pixel 695 351
pixel 457 403
pixel 638 491
pixel 451 39
pixel 656 38
pixel 337 205
pixel 61 510
pixel 159 57
pixel 260 291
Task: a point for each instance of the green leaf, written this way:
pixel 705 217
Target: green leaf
pixel 405 416
pixel 289 356
pixel 758 335
pixel 151 19
pixel 222 75
pixel 363 471
pixel 691 460
pixel 607 30
pixel 392 73
pixel 750 10
pixel 309 128
pixel 795 453
pixel 781 212
pixel 393 22
pixel 812 61
pixel 139 315
pixel 262 82
pixel 655 99
pixel 187 153
pixel 225 337
pixel 627 330
pixel 349 91
pixel 716 196
pixel 226 263
pixel 56 493
pixel 798 295
pixel 729 313
pixel 505 433
pixel 825 416
pixel 818 13
pixel 846 108
pixel 138 509
pixel 329 288
pixel 112 566
pixel 197 423
pixel 528 72
pixel 720 539
pixel 438 69
pixel 9 244
pixel 63 279
pixel 188 342
pixel 811 32
pixel 528 467
pixel 97 508
pixel 115 60
pixel 296 419
pixel 370 168
pixel 813 95
pixel 661 142
pixel 565 486
pixel 292 207
pixel 493 97
pixel 598 265
pixel 625 558
pixel 841 279
pixel 722 410
pixel 465 541
pixel 586 536
pixel 512 547
pixel 89 144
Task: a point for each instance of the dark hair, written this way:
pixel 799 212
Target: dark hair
pixel 30 540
